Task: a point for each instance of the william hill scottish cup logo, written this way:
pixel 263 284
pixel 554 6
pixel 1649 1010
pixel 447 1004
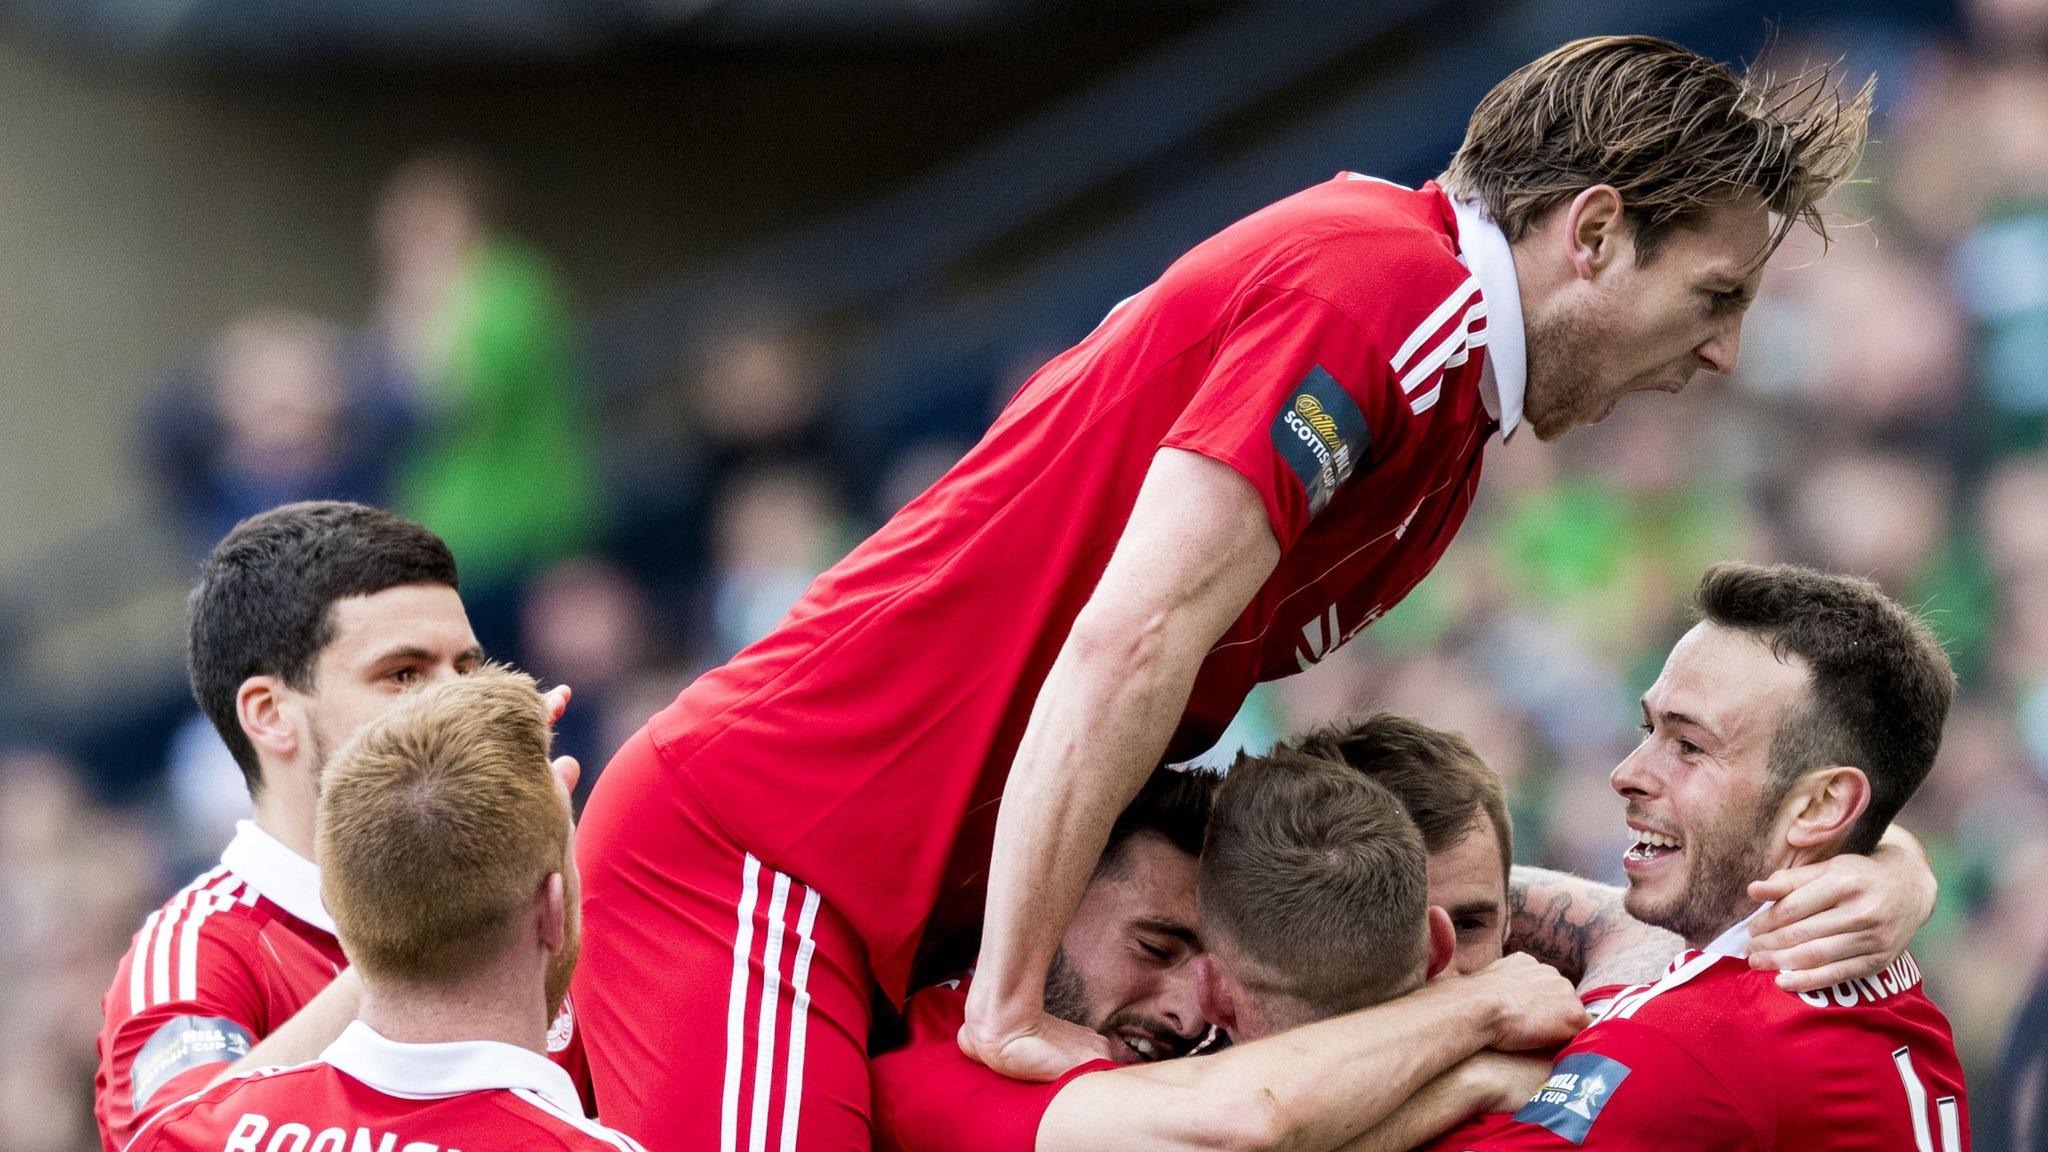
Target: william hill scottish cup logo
pixel 1322 435
pixel 1579 1087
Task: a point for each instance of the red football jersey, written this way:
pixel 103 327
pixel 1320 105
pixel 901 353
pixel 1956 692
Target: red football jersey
pixel 1329 348
pixel 225 961
pixel 221 965
pixel 930 1097
pixel 1716 1056
pixel 367 1092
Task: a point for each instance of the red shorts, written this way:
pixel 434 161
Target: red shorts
pixel 724 1004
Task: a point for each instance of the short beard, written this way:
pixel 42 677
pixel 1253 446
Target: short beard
pixel 1066 997
pixel 561 967
pixel 1561 392
pixel 1716 893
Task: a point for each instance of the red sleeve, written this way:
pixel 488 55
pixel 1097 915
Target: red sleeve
pixel 1296 400
pixel 931 1100
pixel 195 1006
pixel 1622 1086
pixel 930 1097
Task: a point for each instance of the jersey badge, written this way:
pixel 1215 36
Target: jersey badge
pixel 1580 1086
pixel 181 1044
pixel 563 1029
pixel 1322 436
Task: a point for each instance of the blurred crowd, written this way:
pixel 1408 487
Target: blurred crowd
pixel 1890 418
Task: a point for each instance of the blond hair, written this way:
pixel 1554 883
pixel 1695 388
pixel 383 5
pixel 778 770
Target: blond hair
pixel 439 822
pixel 1674 132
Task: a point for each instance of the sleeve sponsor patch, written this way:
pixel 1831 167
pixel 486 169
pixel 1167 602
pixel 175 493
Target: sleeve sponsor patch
pixel 1580 1085
pixel 182 1044
pixel 1322 435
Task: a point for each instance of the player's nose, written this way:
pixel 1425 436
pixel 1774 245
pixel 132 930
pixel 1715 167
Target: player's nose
pixel 1180 1003
pixel 1632 777
pixel 1723 348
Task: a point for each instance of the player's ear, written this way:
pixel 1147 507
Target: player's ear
pixel 1443 941
pixel 554 913
pixel 269 715
pixel 1825 804
pixel 1595 232
pixel 1218 1002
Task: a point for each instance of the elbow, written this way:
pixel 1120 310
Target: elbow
pixel 1126 648
pixel 1247 1120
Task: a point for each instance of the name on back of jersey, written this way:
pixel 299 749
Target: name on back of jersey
pixel 1898 976
pixel 254 1132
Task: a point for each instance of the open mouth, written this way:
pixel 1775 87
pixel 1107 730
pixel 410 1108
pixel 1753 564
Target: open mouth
pixel 1142 1046
pixel 1650 848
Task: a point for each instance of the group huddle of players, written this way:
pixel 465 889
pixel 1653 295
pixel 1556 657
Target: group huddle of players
pixel 908 873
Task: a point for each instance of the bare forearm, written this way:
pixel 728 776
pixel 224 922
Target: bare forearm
pixel 1580 928
pixel 1101 722
pixel 1437 1108
pixel 1311 1089
pixel 310 1030
pixel 1195 550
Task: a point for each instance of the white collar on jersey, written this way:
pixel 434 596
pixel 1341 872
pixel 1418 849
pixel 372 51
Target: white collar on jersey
pixel 1484 249
pixel 1735 941
pixel 427 1071
pixel 278 874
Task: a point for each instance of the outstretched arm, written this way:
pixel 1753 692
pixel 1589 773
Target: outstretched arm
pixel 1319 1087
pixel 1197 547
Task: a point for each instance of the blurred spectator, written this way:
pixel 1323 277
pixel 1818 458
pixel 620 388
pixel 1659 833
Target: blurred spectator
pixel 268 418
pixel 477 337
pixel 751 395
pixel 777 529
pixel 2018 1117
pixel 74 883
pixel 586 624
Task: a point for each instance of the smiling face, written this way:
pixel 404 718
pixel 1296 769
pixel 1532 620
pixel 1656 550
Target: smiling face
pixel 1468 881
pixel 383 644
pixel 1124 966
pixel 1612 326
pixel 1701 802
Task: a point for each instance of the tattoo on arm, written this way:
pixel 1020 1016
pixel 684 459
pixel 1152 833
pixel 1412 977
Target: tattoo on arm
pixel 1580 928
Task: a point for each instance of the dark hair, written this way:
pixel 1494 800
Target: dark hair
pixel 1674 132
pixel 1881 683
pixel 1436 775
pixel 1174 803
pixel 1314 871
pixel 262 604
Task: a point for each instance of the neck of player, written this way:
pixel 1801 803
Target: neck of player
pixel 502 1002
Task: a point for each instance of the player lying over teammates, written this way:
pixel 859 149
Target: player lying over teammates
pixel 448 863
pixel 1315 895
pixel 1239 469
pixel 1788 727
pixel 308 621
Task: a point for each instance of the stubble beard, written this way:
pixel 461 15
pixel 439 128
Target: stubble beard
pixel 1562 392
pixel 1715 894
pixel 561 968
pixel 1066 996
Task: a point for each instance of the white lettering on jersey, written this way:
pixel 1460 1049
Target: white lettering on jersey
pixel 1950 1112
pixel 1898 976
pixel 247 1136
pixel 246 1132
pixel 1318 638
